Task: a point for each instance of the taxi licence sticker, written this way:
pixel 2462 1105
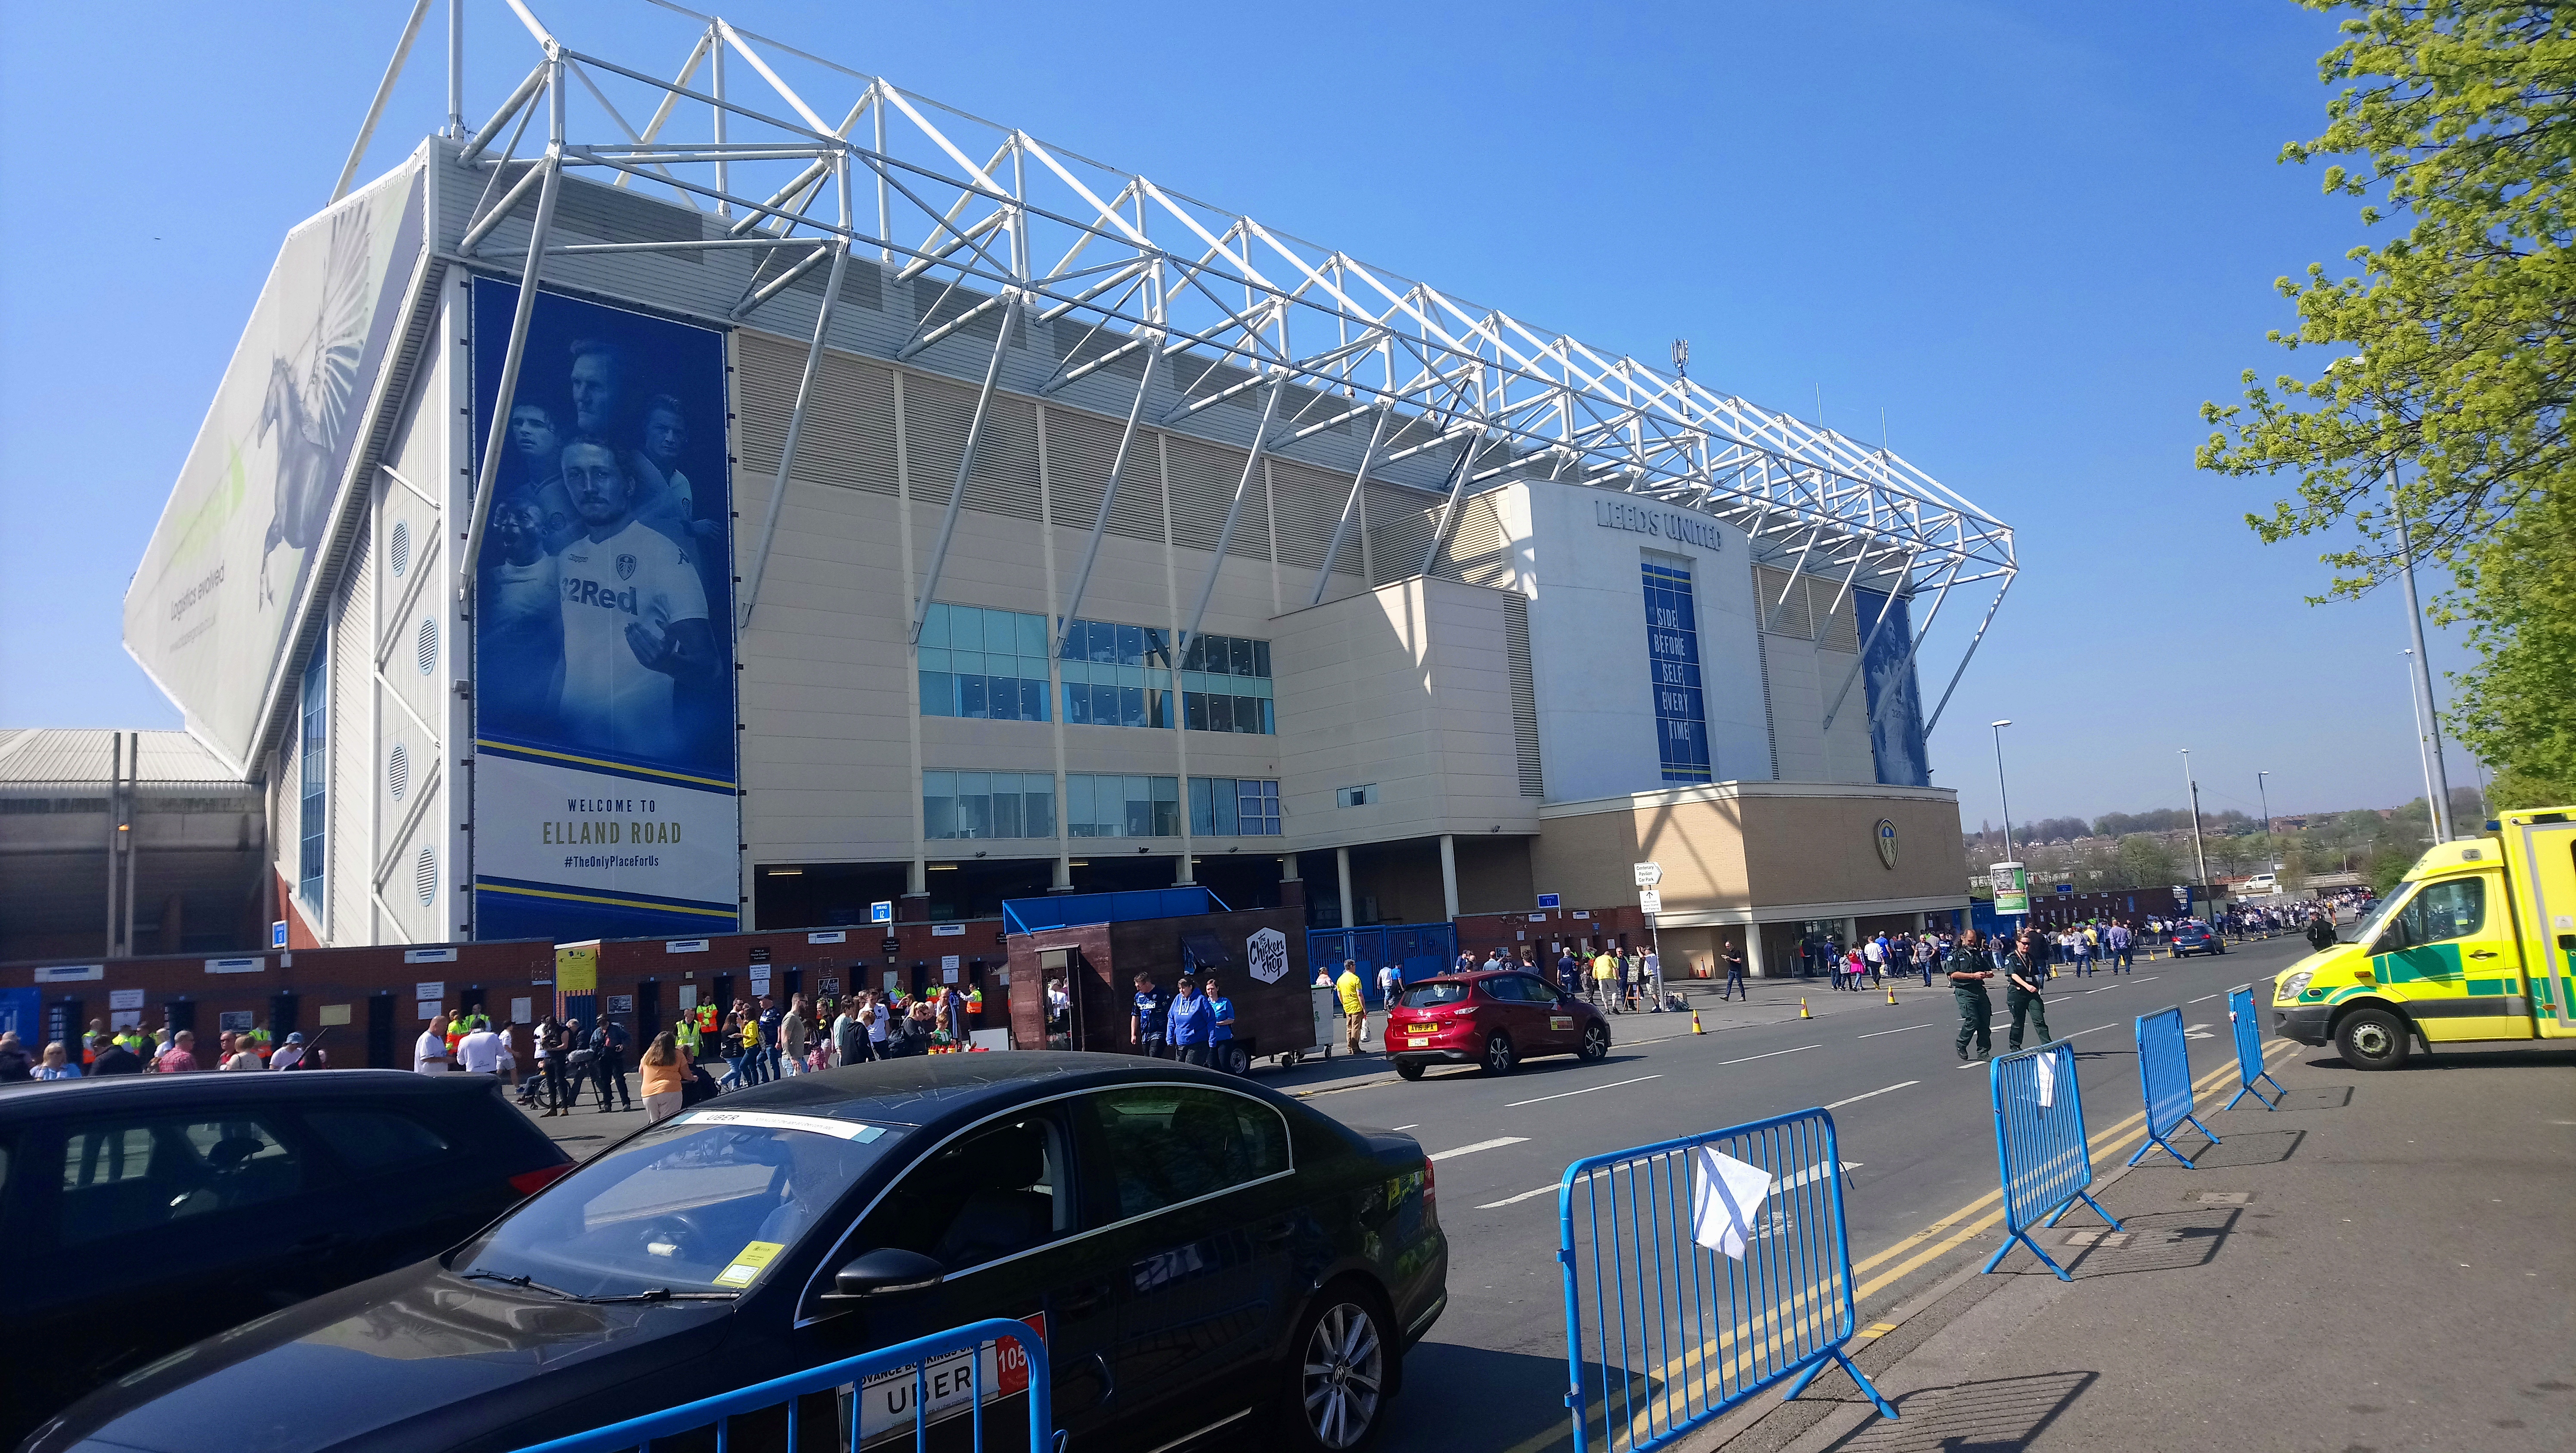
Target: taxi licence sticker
pixel 1560 1021
pixel 748 1262
pixel 767 1120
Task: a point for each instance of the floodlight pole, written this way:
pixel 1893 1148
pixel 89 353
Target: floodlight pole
pixel 2436 773
pixel 455 67
pixel 2199 852
pixel 517 352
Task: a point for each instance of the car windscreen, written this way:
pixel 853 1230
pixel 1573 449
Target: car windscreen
pixel 700 1204
pixel 1433 995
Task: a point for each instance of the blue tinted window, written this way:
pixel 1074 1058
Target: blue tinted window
pixel 314 805
pixel 1672 655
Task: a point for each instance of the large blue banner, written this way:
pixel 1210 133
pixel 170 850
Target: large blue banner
pixel 605 802
pixel 1895 725
pixel 1672 652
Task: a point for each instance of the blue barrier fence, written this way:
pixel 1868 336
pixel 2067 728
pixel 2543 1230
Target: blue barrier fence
pixel 2249 1049
pixel 2041 1150
pixel 2164 1077
pixel 1662 1332
pixel 1418 951
pixel 925 1382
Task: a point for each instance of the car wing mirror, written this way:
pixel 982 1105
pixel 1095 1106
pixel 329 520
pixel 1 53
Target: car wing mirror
pixel 887 1271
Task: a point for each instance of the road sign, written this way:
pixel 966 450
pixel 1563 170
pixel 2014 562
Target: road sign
pixel 1550 900
pixel 881 912
pixel 1649 874
pixel 1650 900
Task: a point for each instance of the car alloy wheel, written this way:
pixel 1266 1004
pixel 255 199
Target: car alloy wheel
pixel 1596 1042
pixel 1499 1054
pixel 1342 1381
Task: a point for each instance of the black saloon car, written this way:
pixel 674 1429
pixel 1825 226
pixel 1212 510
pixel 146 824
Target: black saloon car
pixel 1198 1253
pixel 140 1213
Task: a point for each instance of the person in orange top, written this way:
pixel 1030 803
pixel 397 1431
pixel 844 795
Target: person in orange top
pixel 666 1070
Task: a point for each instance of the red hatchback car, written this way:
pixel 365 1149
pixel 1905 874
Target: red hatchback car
pixel 1495 1018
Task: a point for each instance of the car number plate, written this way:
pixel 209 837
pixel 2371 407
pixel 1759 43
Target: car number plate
pixel 1420 1040
pixel 945 1386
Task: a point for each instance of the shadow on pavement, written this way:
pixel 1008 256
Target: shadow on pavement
pixel 2154 1241
pixel 2251 1147
pixel 1517 1397
pixel 2323 1097
pixel 1990 1415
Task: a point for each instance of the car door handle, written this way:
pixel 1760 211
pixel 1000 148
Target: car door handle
pixel 1278 1234
pixel 1082 1299
pixel 2482 953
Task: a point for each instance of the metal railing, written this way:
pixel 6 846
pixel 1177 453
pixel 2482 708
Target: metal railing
pixel 1675 1329
pixel 2041 1149
pixel 2164 1078
pixel 955 1373
pixel 2249 1049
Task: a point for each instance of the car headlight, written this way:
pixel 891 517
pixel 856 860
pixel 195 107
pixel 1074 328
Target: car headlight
pixel 2291 986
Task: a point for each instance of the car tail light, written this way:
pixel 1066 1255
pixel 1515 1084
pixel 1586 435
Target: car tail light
pixel 529 1182
pixel 1430 1192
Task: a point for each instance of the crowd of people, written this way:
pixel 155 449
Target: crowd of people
pixel 164 1051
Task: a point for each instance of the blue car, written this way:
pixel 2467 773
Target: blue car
pixel 2195 937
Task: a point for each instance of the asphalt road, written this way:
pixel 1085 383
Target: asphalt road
pixel 1915 1125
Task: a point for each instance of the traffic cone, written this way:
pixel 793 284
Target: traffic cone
pixel 1695 1029
pixel 1891 993
pixel 1802 1008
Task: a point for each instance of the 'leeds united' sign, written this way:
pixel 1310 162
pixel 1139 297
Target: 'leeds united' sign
pixel 1677 525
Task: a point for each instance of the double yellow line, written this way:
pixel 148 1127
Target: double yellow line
pixel 1929 1244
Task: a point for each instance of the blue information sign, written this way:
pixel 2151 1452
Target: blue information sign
pixel 1672 652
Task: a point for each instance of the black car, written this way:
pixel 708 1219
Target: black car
pixel 2192 936
pixel 141 1213
pixel 1198 1253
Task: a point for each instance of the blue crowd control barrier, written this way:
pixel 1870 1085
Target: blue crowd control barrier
pixel 2249 1049
pixel 2041 1149
pixel 2164 1076
pixel 1677 1332
pixel 952 1374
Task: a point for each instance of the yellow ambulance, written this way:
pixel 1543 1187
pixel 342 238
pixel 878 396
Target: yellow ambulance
pixel 2478 944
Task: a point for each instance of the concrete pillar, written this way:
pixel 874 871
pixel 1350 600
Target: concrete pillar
pixel 1342 870
pixel 1753 952
pixel 1449 875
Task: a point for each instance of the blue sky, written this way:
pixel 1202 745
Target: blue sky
pixel 2030 238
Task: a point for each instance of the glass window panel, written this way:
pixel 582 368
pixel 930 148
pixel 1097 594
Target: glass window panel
pixel 1102 641
pixel 1238 656
pixel 1077 804
pixel 1104 705
pixel 1261 659
pixel 1228 809
pixel 1001 633
pixel 1077 705
pixel 1033 694
pixel 1032 635
pixel 1037 806
pixel 934 626
pixel 1131 645
pixel 938 814
pixel 1194 708
pixel 1006 805
pixel 1131 706
pixel 1002 697
pixel 938 694
pixel 934 660
pixel 1167 819
pixel 1247 714
pixel 970 696
pixel 966 663
pixel 1220 713
pixel 1202 805
pixel 1138 807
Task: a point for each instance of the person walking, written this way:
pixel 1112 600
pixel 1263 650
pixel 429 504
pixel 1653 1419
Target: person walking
pixel 666 1070
pixel 1390 979
pixel 1220 1024
pixel 1146 1024
pixel 880 1022
pixel 1569 972
pixel 2024 976
pixel 1354 1006
pixel 1191 1024
pixel 849 1035
pixel 608 1046
pixel 1873 952
pixel 1735 981
pixel 2321 933
pixel 1970 968
pixel 1651 970
pixel 1605 981
pixel 796 1033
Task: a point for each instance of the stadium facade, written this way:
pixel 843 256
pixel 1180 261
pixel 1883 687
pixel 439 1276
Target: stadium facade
pixel 602 533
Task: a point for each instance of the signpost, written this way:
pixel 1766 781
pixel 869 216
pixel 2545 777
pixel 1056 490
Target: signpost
pixel 1650 901
pixel 2012 890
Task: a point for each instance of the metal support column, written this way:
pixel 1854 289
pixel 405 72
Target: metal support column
pixel 804 399
pixel 1350 507
pixel 1225 536
pixel 965 465
pixel 517 352
pixel 1965 656
pixel 1108 493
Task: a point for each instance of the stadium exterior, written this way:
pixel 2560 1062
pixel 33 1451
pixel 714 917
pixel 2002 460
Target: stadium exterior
pixel 870 503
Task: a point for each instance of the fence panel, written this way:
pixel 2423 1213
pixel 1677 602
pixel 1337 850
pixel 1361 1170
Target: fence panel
pixel 2249 1049
pixel 1664 1331
pixel 2164 1078
pixel 923 1383
pixel 2041 1149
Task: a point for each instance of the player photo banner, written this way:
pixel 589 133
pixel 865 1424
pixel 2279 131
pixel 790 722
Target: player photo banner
pixel 232 557
pixel 605 802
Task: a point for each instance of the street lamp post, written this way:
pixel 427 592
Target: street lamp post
pixel 2432 805
pixel 2437 776
pixel 2264 796
pixel 2199 852
pixel 2000 790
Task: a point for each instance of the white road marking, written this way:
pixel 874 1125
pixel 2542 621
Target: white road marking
pixel 1479 1145
pixel 2096 1029
pixel 1750 1058
pixel 1586 1090
pixel 1856 1099
pixel 1516 1200
pixel 2203 999
pixel 1812 1173
pixel 1875 1033
pixel 1416 1125
pixel 1972 1064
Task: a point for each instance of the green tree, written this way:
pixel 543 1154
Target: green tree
pixel 2451 351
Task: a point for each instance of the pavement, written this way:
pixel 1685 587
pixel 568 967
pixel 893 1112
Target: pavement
pixel 2229 1297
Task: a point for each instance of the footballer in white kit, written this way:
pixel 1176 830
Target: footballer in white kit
pixel 634 616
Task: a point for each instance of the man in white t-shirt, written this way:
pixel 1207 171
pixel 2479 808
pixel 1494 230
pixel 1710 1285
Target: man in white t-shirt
pixel 480 1053
pixel 634 614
